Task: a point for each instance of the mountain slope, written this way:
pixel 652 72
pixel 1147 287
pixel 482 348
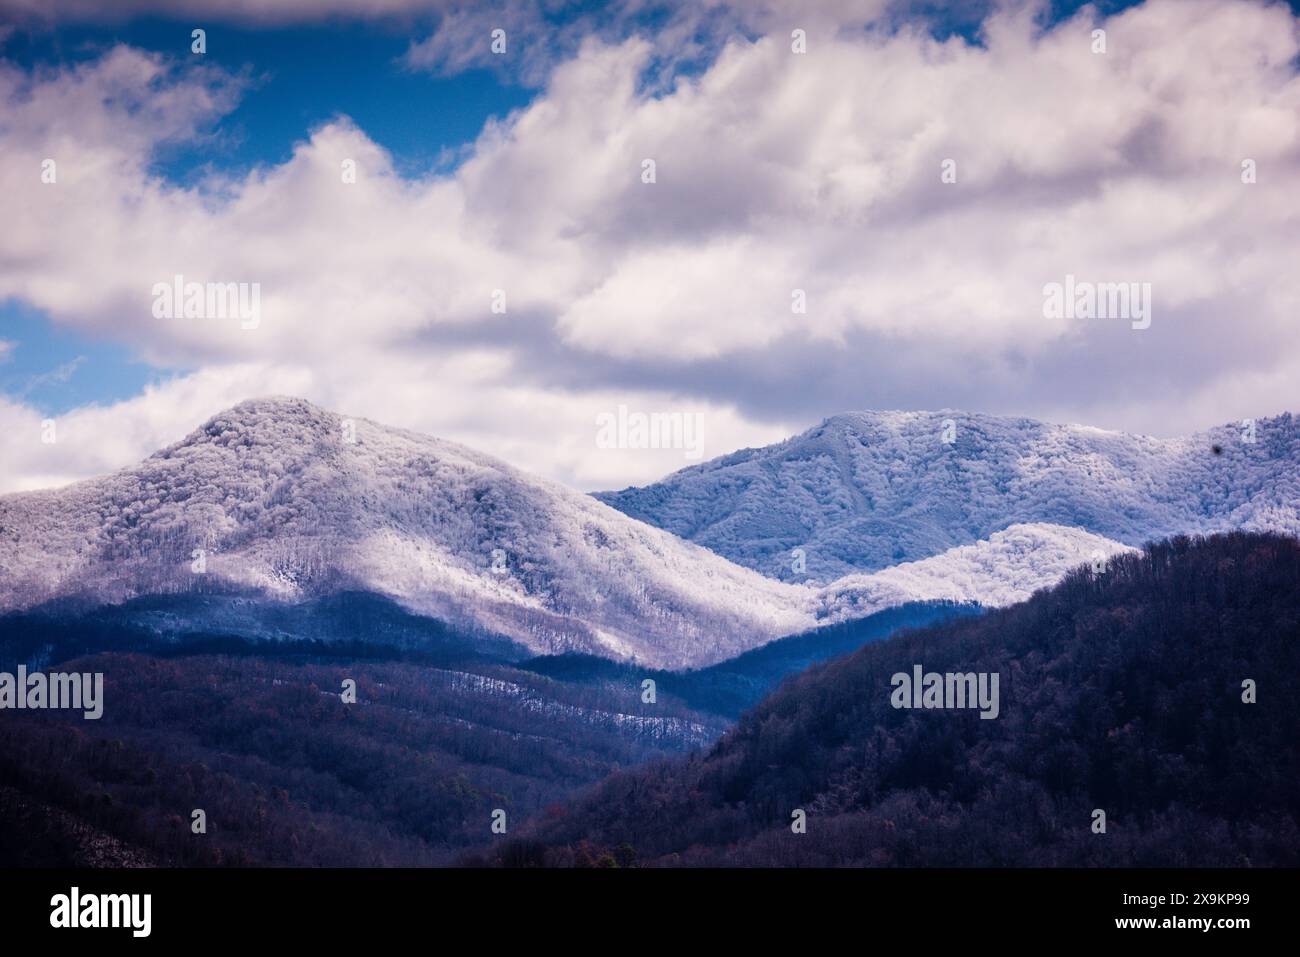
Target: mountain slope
pixel 290 775
pixel 284 507
pixel 866 490
pixel 1006 568
pixel 737 684
pixel 1121 692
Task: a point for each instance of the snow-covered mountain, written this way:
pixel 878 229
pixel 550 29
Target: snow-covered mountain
pixel 281 502
pixel 1006 568
pixel 867 490
pixel 284 500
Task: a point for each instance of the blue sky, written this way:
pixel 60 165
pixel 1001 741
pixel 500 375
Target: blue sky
pixel 522 173
pixel 301 77
pixel 56 370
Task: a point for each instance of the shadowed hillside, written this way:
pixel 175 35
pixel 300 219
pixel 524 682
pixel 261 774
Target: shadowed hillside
pixel 1121 691
pixel 289 774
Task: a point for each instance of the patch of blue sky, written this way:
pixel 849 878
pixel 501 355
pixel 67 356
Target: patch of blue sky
pixel 55 368
pixel 301 78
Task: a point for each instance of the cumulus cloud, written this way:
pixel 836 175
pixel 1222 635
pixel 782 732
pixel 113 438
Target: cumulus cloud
pixel 775 172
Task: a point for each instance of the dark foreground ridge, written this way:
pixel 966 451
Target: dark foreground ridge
pixel 1121 692
pixel 287 774
pixel 231 704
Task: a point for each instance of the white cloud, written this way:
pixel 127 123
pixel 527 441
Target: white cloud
pixel 462 399
pixel 775 171
pixel 94 440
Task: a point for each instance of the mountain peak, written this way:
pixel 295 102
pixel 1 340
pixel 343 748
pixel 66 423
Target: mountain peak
pixel 863 491
pixel 259 412
pixel 279 498
pixel 277 405
pixel 275 419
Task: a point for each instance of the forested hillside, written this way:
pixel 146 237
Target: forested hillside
pixel 731 687
pixel 1120 691
pixel 289 774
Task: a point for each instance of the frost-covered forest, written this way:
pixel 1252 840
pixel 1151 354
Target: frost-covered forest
pixel 867 490
pixel 291 502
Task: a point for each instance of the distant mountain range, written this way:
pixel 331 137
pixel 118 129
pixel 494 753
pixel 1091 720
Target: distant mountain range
pixel 277 500
pixel 867 490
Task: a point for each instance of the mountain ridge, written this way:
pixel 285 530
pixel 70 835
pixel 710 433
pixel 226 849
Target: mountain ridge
pixel 291 501
pixel 278 497
pixel 863 491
